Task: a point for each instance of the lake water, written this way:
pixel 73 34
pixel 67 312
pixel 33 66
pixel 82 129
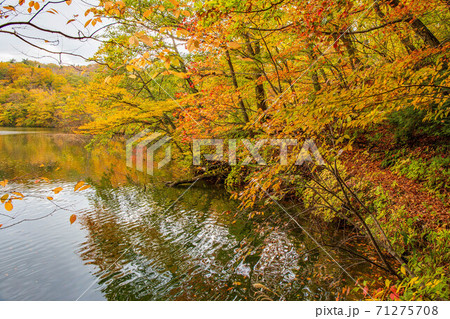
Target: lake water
pixel 136 239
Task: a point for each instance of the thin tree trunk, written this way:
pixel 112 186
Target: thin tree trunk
pixel 313 72
pixel 235 83
pixel 418 27
pixel 259 87
pixel 348 43
pixel 405 40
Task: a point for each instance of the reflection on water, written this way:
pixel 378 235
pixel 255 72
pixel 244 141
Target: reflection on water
pixel 141 243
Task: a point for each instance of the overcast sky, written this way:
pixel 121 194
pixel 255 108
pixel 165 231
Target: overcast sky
pixel 13 48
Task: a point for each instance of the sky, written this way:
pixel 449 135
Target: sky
pixel 13 48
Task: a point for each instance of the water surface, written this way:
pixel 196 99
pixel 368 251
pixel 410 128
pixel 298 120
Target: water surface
pixel 136 239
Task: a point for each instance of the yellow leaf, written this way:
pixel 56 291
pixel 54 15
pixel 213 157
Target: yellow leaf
pixel 4 198
pixel 146 40
pixel 8 206
pixel 180 74
pixel 50 198
pixel 108 5
pixel 57 190
pixel 78 185
pixel 73 218
pixel 403 270
pixel 233 45
pixel 4 183
pixel 133 40
pixel 192 45
pixel 182 32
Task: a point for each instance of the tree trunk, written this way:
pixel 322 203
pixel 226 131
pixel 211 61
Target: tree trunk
pixel 348 43
pixel 418 27
pixel 260 92
pixel 313 72
pixel 405 40
pixel 233 76
pixel 259 87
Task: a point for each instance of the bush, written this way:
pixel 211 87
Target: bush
pixel 410 123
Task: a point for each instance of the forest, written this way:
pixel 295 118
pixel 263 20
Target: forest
pixel 367 81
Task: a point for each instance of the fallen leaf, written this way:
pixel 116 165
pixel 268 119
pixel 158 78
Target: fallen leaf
pixel 4 198
pixel 84 187
pixel 9 206
pixel 78 185
pixel 57 190
pixel 18 194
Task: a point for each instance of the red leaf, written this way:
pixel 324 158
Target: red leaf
pixel 365 291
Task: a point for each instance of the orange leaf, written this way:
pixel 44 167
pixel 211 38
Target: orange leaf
pixel 233 45
pixel 8 206
pixel 50 198
pixel 68 2
pixel 57 190
pixel 18 194
pixel 84 187
pixel 148 13
pixel 78 185
pixel 73 218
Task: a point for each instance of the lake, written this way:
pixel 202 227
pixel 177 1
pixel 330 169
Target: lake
pixel 137 239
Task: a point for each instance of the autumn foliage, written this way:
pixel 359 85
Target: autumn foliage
pixel 336 71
